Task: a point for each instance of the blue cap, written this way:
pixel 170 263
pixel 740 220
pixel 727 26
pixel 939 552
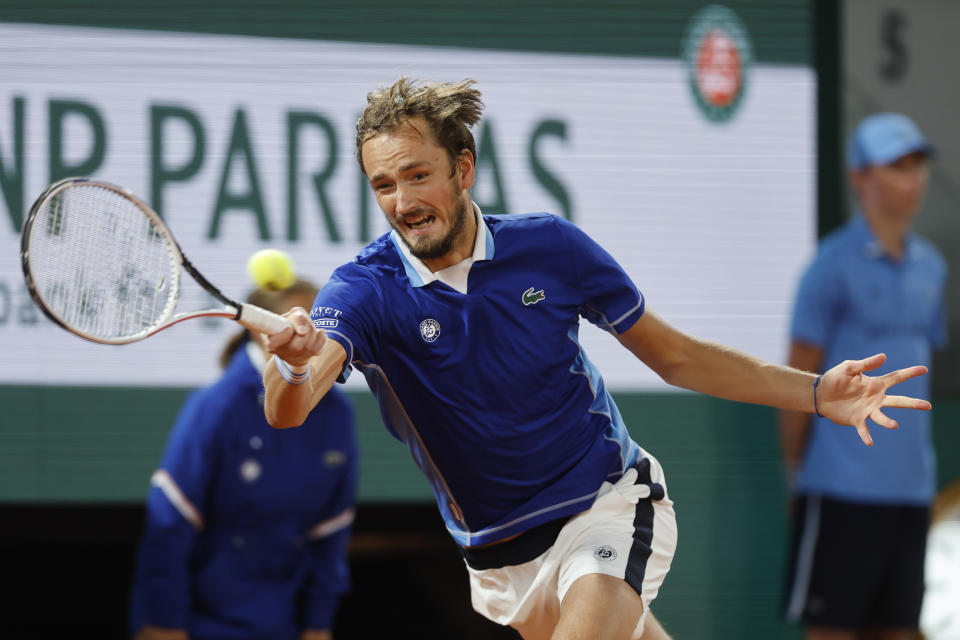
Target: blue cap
pixel 884 138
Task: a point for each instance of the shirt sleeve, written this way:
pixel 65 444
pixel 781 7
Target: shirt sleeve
pixel 349 308
pixel 816 306
pixel 330 538
pixel 937 333
pixel 610 298
pixel 174 518
pixel 331 577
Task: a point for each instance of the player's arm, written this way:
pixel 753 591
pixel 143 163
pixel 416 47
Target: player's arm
pixel 844 394
pixel 313 365
pixel 795 425
pixel 700 365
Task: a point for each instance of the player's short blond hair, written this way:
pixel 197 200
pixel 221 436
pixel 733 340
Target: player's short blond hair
pixel 450 109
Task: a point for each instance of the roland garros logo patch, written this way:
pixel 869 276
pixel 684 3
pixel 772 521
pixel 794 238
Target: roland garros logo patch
pixel 605 553
pixel 718 55
pixel 429 330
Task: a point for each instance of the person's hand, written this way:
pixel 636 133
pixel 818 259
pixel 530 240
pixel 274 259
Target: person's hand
pixel 316 634
pixel 297 344
pixel 149 632
pixel 848 397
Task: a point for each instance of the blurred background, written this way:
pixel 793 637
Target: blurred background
pixel 236 122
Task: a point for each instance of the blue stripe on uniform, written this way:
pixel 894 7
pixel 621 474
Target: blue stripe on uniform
pixel 603 404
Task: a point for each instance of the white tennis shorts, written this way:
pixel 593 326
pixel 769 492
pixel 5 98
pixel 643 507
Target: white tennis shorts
pixel 630 532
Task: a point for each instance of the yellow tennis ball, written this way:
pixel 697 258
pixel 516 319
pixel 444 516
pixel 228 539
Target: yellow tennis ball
pixel 271 269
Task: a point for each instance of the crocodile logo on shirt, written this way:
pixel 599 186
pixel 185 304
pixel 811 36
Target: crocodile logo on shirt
pixel 533 297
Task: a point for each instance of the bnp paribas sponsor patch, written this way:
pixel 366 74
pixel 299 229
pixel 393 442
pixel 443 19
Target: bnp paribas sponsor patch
pixel 718 55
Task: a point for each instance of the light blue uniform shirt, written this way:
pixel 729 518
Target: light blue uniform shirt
pixel 855 301
pixel 490 389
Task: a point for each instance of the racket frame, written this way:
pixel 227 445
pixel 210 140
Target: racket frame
pixel 259 319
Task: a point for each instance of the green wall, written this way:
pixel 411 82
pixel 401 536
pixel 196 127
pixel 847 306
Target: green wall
pixel 780 29
pixel 92 444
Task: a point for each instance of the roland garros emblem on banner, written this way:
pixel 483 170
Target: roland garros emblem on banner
pixel 718 55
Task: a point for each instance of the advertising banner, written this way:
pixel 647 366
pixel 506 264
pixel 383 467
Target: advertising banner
pixel 696 172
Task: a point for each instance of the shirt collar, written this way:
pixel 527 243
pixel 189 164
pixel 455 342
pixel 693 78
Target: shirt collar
pixel 872 247
pixel 420 275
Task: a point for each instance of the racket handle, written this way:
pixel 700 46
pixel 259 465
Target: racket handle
pixel 257 319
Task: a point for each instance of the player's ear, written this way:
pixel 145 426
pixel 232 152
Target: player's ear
pixel 465 164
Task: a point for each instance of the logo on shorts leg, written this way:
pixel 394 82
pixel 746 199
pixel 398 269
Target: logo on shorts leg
pixel 605 552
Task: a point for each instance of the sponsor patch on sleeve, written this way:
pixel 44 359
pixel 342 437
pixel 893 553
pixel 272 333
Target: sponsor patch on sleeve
pixel 325 317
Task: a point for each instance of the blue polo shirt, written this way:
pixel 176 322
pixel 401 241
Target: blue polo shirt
pixel 490 389
pixel 855 301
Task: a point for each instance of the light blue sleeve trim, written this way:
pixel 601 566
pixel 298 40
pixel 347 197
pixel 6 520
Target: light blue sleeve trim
pixel 600 319
pixel 633 310
pixel 345 373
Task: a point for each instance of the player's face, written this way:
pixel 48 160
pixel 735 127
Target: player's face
pixel 411 177
pixel 895 191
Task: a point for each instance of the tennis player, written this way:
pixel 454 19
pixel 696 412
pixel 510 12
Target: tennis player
pixel 466 329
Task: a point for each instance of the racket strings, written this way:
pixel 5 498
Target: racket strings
pixel 101 264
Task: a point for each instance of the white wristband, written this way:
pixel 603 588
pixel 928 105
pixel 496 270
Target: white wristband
pixel 292 375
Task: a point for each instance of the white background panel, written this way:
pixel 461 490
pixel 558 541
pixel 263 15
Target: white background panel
pixel 713 221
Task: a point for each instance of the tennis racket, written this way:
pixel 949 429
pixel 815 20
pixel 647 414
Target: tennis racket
pixel 102 264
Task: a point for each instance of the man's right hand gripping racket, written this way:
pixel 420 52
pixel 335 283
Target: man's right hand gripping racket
pixel 102 264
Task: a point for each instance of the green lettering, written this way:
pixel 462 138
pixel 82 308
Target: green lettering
pixel 5 303
pixel 363 223
pixel 296 120
pixel 27 309
pixel 160 173
pixel 11 181
pixel 546 179
pixel 363 200
pixel 57 114
pixel 251 200
pixel 487 156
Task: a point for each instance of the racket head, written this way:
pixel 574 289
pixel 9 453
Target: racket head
pixel 99 262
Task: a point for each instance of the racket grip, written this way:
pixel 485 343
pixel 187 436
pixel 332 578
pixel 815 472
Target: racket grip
pixel 258 319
